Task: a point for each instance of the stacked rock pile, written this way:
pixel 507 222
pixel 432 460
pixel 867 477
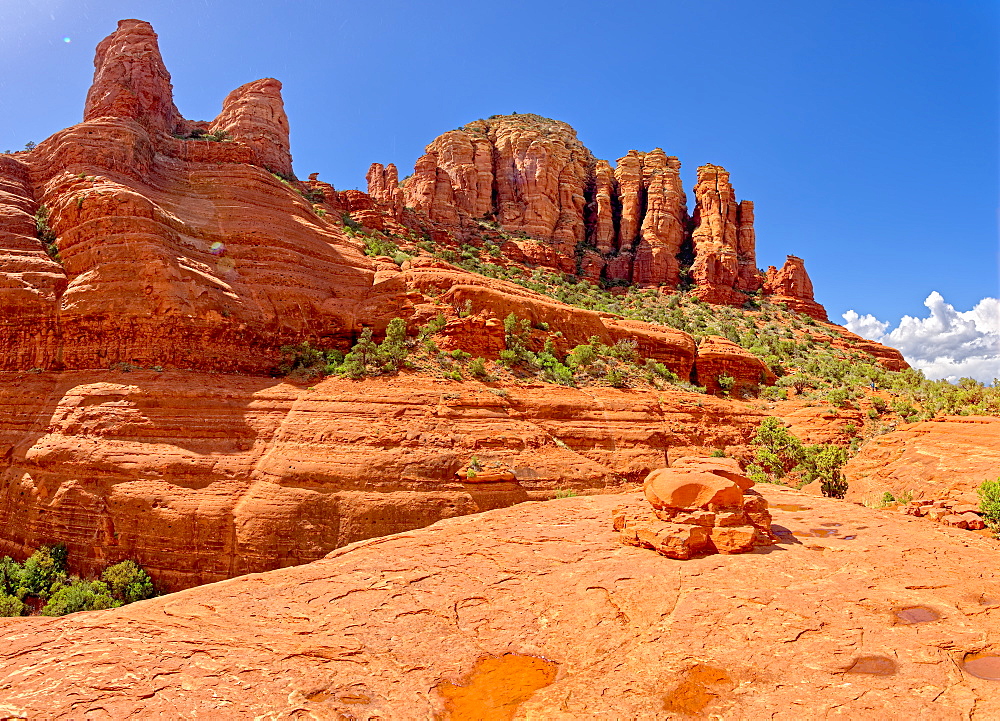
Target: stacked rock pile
pixel 696 507
pixel 950 513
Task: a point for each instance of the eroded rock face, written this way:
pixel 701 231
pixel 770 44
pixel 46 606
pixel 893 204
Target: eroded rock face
pixel 699 506
pixel 201 477
pixel 944 459
pixel 635 635
pixel 791 286
pixel 628 223
pixel 131 81
pixel 254 114
pixel 725 256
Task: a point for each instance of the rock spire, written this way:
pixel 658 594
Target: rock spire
pixel 565 209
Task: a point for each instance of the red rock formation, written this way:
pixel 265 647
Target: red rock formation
pixel 635 635
pixel 750 279
pixel 725 263
pixel 663 228
pixel 791 286
pixel 131 81
pixel 602 223
pixel 946 458
pixel 30 282
pixel 254 114
pixel 173 252
pixel 383 186
pixel 534 177
pixel 718 357
pixel 201 477
pixel 699 506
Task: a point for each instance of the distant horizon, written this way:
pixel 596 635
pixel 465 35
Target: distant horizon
pixel 870 154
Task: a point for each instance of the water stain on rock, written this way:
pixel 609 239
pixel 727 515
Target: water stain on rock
pixel 982 665
pixel 916 614
pixel 817 533
pixel 496 687
pixel 790 507
pixel 874 665
pixel 701 685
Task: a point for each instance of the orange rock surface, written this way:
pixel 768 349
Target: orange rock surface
pixel 945 458
pixel 539 610
pixel 718 357
pixel 202 477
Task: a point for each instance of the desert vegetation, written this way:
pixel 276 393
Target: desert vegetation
pixel 42 584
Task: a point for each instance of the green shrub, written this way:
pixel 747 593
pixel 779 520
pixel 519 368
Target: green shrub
pixel 615 377
pixel 11 606
pixel 80 596
pixel 718 453
pixel 305 362
pixel 435 325
pixel 44 572
pixel 477 368
pixel 128 582
pixel 10 575
pixel 725 383
pixel 989 501
pixel 45 233
pixel 823 463
pixel 362 354
pixel 581 356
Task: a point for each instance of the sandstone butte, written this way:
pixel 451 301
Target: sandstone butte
pixel 538 611
pixel 163 250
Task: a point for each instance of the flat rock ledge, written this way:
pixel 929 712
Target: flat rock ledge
pixel 821 624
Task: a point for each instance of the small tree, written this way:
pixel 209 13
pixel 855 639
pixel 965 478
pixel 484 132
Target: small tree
pixel 364 352
pixel 44 572
pixel 392 351
pixel 128 582
pixel 10 575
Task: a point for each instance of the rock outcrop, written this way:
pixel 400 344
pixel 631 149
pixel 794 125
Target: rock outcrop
pixel 131 82
pixel 201 477
pixel 791 286
pixel 254 114
pixel 719 358
pixel 725 259
pixel 562 208
pixel 540 611
pixel 944 459
pixel 699 506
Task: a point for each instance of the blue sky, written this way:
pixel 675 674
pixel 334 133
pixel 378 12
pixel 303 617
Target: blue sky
pixel 864 130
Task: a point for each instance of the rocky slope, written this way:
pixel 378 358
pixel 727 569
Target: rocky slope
pixel 943 459
pixel 539 611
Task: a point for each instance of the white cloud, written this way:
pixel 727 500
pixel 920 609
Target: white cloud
pixel 947 344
